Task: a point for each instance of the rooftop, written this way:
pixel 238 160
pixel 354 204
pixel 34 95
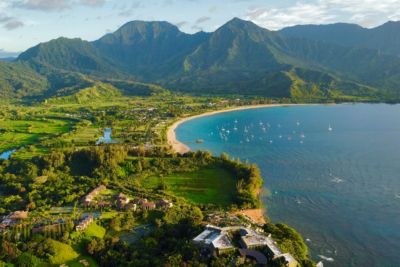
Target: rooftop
pixel 222 241
pixel 214 236
pixel 253 238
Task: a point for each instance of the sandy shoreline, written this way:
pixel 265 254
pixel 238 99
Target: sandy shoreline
pixel 256 215
pixel 181 148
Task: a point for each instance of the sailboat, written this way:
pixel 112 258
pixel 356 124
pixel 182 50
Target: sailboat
pixel 330 128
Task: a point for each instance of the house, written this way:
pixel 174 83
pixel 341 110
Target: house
pixel 130 206
pixel 18 215
pixel 214 239
pixel 13 218
pixel 89 198
pixel 141 201
pixel 84 223
pixel 122 200
pixel 164 204
pixel 250 239
pixel 287 260
pixel 148 206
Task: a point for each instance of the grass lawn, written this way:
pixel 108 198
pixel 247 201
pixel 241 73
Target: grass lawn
pixel 95 230
pixel 205 186
pixel 18 133
pixel 63 252
pixel 108 215
pixel 84 134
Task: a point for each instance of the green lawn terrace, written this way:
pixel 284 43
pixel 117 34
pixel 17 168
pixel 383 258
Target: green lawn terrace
pixel 209 185
pixel 249 242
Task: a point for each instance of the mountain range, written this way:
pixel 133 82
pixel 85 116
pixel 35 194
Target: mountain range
pixel 337 61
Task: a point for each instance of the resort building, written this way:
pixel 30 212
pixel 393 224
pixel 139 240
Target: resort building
pixel 214 239
pixel 148 206
pixel 164 204
pixel 130 206
pixel 89 198
pixel 13 218
pixel 84 223
pixel 122 200
pixel 251 240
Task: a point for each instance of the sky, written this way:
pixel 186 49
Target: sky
pixel 25 23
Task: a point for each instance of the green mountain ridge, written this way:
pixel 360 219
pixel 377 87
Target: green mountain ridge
pixel 238 58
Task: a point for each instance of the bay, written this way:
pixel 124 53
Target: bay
pixel 330 171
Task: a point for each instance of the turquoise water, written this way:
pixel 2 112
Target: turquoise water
pixel 340 189
pixel 7 154
pixel 106 139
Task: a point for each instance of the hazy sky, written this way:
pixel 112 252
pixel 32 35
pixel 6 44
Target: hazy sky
pixel 24 23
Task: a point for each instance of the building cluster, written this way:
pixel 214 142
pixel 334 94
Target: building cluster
pixel 122 201
pixel 92 198
pixel 41 227
pixel 13 218
pixel 84 223
pixel 216 239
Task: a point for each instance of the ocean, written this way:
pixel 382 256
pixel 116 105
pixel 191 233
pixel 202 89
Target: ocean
pixel 330 171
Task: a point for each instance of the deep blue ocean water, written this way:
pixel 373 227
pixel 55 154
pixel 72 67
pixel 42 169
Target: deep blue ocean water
pixel 339 187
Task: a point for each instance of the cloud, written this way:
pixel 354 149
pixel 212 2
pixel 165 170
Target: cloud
pixel 56 5
pixel 93 3
pixel 13 24
pixel 180 24
pixel 212 9
pixel 10 23
pixel 202 20
pixel 44 5
pixel 368 13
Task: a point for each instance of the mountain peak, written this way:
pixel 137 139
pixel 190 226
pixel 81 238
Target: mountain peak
pixel 390 25
pixel 141 31
pixel 237 22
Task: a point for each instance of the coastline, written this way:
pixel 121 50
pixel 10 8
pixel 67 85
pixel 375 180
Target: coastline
pixel 181 148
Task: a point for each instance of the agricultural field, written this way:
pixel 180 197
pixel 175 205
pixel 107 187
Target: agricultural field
pixel 205 186
pixel 19 133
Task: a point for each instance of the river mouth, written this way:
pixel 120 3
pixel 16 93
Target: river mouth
pixel 332 172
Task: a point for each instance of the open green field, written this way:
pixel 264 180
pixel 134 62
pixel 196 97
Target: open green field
pixel 63 252
pixel 18 133
pixel 95 230
pixel 205 186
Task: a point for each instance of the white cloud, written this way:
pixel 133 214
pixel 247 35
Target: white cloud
pixel 55 5
pixel 367 13
pixel 13 24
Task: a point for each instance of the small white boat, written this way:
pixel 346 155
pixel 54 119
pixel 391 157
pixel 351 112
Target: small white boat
pixel 330 129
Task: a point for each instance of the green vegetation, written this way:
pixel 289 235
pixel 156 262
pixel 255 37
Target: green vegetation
pixel 61 252
pixel 19 133
pixel 95 230
pixel 204 186
pixel 289 241
pixel 238 58
pixel 58 98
